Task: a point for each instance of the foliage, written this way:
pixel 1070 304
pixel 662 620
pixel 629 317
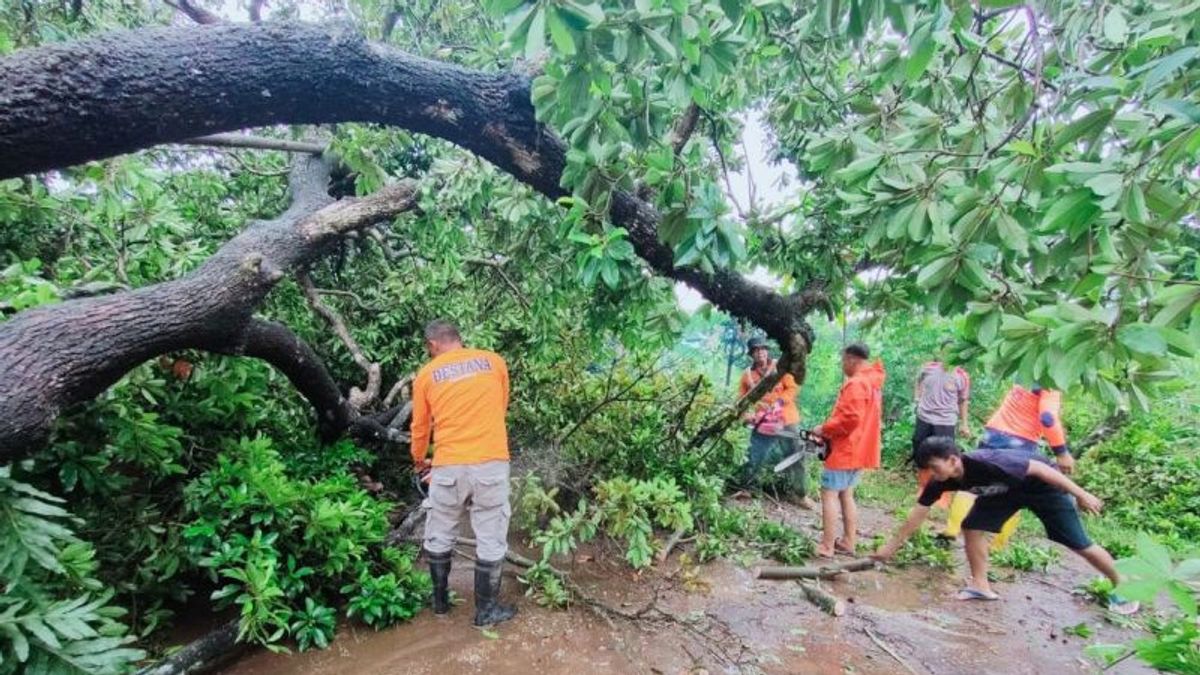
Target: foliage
pixel 54 617
pixel 1147 576
pixel 922 548
pixel 1148 473
pixel 277 542
pixel 1024 556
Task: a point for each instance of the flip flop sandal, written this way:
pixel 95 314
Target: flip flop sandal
pixel 839 547
pixel 969 593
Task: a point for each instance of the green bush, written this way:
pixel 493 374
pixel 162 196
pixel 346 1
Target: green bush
pixel 1148 474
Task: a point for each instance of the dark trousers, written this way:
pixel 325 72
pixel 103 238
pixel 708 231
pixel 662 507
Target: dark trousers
pixel 924 430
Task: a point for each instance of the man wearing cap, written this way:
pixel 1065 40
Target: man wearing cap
pixel 775 412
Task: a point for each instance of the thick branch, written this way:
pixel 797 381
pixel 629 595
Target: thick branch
pixel 58 355
pixel 132 90
pixel 195 13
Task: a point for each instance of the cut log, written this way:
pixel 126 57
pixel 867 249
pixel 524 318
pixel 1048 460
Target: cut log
pixel 827 601
pixel 822 572
pixel 671 544
pixel 207 652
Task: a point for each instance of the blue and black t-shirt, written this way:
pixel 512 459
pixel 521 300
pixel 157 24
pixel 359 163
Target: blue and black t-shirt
pixel 991 472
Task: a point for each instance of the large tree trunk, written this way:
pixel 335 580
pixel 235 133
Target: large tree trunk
pixel 61 354
pixel 69 103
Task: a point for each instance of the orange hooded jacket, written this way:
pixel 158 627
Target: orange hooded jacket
pixel 854 426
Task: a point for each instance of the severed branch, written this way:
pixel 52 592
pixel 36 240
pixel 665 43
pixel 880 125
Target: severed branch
pixel 359 398
pixel 821 572
pixel 233 140
pixel 827 601
pixel 256 7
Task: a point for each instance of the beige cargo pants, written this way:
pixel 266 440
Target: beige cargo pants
pixel 482 490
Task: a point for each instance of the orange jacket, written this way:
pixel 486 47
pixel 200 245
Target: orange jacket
pixel 783 396
pixel 1031 416
pixel 853 428
pixel 463 395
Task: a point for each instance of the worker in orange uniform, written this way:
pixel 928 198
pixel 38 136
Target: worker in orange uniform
pixel 853 430
pixel 1024 418
pixel 774 412
pixel 463 395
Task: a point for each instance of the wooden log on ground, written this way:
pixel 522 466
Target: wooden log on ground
pixel 827 601
pixel 819 572
pixel 204 654
pixel 671 544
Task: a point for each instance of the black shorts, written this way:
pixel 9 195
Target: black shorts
pixel 923 430
pixel 1055 509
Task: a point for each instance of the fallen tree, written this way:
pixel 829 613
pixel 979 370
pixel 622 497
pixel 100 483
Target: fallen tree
pixel 137 89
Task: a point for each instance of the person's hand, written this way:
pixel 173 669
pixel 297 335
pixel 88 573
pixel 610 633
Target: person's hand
pixel 964 430
pixel 1090 503
pixel 818 430
pixel 422 466
pixel 884 553
pixel 1066 463
pixel 768 428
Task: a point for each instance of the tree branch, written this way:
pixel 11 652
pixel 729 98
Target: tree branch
pixel 195 13
pixel 359 398
pixel 57 355
pixel 684 128
pixel 256 142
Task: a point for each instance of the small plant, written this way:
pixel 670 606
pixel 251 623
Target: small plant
pixel 922 548
pixel 1025 557
pixel 314 625
pixel 783 543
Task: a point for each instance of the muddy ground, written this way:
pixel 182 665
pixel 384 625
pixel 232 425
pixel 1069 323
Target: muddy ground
pixel 717 618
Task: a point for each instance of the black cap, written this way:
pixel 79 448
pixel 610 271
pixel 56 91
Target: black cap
pixel 755 343
pixel 857 349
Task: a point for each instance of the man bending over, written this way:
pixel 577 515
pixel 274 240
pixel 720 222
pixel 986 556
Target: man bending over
pixel 1004 483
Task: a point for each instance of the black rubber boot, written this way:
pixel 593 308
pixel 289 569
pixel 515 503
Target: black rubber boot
pixel 439 569
pixel 488 610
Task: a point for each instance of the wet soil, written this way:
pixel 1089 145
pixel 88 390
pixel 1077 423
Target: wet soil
pixel 717 618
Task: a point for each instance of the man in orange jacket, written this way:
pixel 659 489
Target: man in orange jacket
pixel 853 430
pixel 462 396
pixel 774 412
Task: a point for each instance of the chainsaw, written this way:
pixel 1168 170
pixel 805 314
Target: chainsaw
pixel 809 444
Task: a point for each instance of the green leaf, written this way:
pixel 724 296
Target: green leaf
pixel 1115 27
pixel 1106 184
pixel 1069 211
pixel 1012 235
pixel 1086 127
pixel 858 169
pixel 922 47
pixel 1143 339
pixel 535 39
pixel 560 33
pixel 936 272
pixel 662 46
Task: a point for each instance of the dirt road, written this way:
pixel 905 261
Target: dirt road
pixel 717 618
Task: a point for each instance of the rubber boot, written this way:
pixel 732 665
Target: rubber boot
pixel 1006 532
pixel 960 506
pixel 488 610
pixel 439 570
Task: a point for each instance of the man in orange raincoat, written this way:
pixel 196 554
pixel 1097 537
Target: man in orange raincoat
pixel 853 430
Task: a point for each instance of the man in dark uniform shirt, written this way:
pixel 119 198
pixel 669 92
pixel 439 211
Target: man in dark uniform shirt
pixel 1005 482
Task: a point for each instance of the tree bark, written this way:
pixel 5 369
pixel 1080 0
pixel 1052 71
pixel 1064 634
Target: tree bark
pixel 58 355
pixel 73 102
pixel 201 655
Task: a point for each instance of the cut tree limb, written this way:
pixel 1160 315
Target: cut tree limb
pixel 820 572
pixel 827 601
